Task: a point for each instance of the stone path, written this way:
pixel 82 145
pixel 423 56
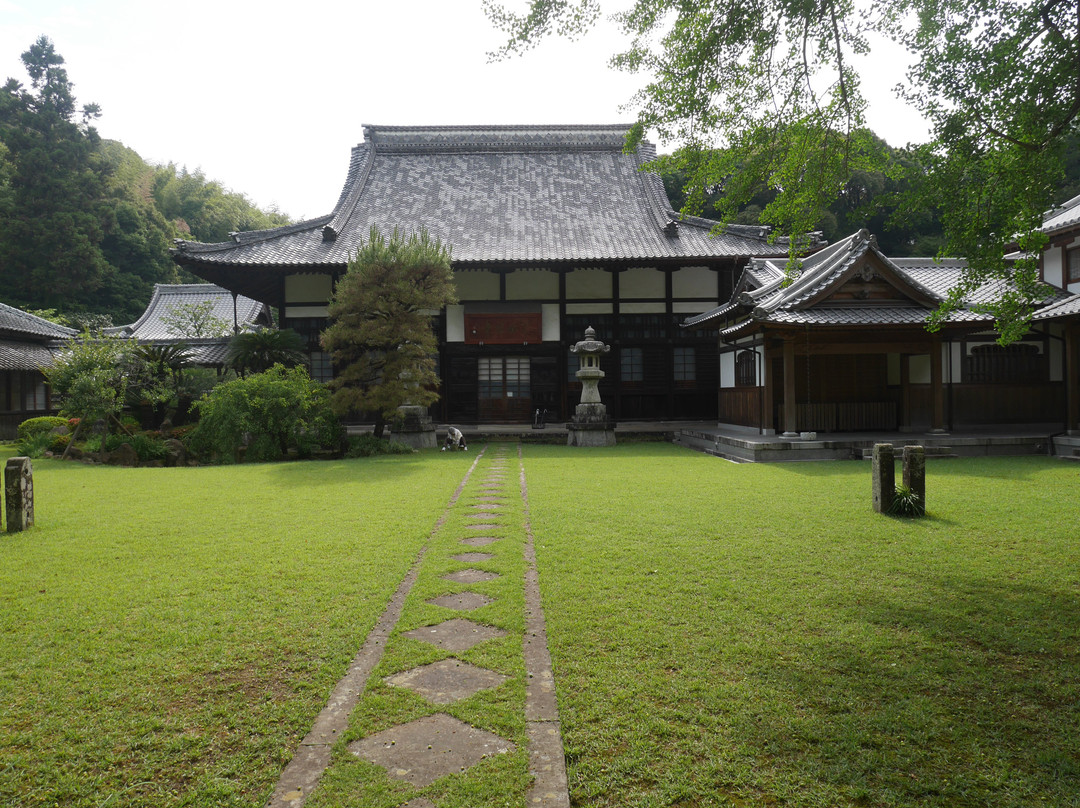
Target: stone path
pixel 422 751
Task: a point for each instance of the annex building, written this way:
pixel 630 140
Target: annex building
pixel 553 229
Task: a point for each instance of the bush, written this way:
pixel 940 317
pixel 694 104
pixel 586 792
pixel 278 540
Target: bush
pixel 40 425
pixel 368 445
pixel 148 446
pixel 906 503
pixel 35 445
pixel 267 414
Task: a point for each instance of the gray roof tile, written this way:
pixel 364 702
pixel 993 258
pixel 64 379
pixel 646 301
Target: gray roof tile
pixel 151 327
pixel 522 194
pixel 16 322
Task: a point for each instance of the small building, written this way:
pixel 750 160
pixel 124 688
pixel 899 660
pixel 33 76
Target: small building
pixel 223 314
pixel 553 229
pixel 27 344
pixel 843 347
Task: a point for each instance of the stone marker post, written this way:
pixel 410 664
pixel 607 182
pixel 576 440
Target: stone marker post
pixel 884 474
pixel 915 472
pixel 19 494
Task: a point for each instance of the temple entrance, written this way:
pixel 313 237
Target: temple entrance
pixel 504 389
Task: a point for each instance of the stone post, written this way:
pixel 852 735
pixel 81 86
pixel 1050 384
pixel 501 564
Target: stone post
pixel 416 429
pixel 884 482
pixel 19 494
pixel 915 471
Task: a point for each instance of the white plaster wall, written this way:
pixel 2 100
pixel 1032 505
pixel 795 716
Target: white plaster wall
pixel 920 369
pixel 727 369
pixel 954 371
pixel 477 285
pixel 694 282
pixel 693 308
pixel 540 284
pixel 588 308
pixel 639 283
pixel 305 311
pixel 549 322
pixel 307 289
pixel 1053 271
pixel 585 283
pixel 455 323
pixel 642 308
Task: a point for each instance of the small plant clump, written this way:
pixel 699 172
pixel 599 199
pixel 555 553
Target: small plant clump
pixel 907 503
pixel 369 445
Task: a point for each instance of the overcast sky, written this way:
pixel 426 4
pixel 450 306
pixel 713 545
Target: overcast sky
pixel 268 97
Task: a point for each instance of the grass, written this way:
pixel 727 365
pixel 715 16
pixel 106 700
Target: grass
pixel 722 635
pixel 755 635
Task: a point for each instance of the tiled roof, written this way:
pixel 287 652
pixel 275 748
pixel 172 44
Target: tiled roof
pixel 15 322
pixel 151 327
pixel 1062 217
pixel 522 194
pixel 761 297
pixel 24 355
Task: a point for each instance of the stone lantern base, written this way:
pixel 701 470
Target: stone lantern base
pixel 416 429
pixel 590 427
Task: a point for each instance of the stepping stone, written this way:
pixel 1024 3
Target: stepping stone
pixel 422 751
pixel 420 802
pixel 480 541
pixel 462 601
pixel 472 558
pixel 487 506
pixel 470 576
pixel 457 634
pixel 483 526
pixel 489 498
pixel 484 515
pixel 447 681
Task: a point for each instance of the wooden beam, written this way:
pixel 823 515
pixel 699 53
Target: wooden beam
pixel 791 409
pixel 937 390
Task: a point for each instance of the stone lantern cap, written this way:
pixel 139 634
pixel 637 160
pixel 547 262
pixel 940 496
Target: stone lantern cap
pixel 590 345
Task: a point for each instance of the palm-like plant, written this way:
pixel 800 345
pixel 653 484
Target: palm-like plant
pixel 259 350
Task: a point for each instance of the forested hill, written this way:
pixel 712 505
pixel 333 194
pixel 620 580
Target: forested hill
pixel 85 223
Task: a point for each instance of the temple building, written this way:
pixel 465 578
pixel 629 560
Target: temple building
pixel 552 230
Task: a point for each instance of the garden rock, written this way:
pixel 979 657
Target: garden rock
pixel 125 455
pixel 175 453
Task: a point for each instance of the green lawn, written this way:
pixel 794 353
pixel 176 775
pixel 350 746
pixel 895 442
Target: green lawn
pixel 722 635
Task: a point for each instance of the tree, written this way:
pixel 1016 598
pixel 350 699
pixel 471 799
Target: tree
pixel 260 349
pixel 380 331
pixel 772 84
pixel 268 413
pixel 195 321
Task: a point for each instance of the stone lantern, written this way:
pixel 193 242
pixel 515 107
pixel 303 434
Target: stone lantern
pixel 590 426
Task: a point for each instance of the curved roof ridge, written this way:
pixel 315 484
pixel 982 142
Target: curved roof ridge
pixel 249 236
pixel 507 137
pixel 13 319
pixel 351 195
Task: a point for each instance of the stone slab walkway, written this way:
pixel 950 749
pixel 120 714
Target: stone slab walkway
pixel 422 751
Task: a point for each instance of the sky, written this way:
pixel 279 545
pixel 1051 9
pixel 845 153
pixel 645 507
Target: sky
pixel 268 98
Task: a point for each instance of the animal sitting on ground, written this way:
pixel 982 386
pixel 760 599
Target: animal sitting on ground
pixel 455 440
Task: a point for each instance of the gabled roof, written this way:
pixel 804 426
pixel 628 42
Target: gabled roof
pixel 1063 217
pixel 497 195
pixel 18 324
pixel 151 325
pixel 918 286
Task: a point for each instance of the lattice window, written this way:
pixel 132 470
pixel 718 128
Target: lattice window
pixel 746 369
pixel 1012 364
pixel 504 377
pixel 1073 265
pixel 685 365
pixel 632 365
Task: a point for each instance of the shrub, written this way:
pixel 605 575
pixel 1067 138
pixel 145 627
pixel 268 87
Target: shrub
pixel 268 413
pixel 368 445
pixel 40 425
pixel 35 445
pixel 906 503
pixel 148 446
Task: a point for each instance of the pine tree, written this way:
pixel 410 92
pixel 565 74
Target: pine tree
pixel 381 334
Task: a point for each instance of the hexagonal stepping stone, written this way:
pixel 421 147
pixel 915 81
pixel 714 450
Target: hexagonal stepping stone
pixel 472 558
pixel 422 751
pixel 477 517
pixel 461 601
pixel 488 506
pixel 447 680
pixel 480 541
pixel 457 634
pixel 470 576
pixel 483 526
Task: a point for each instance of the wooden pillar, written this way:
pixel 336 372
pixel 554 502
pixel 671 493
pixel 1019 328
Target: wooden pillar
pixel 766 386
pixel 1072 379
pixel 905 392
pixel 937 389
pixel 791 406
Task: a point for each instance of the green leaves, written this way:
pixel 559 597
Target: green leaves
pixel 381 314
